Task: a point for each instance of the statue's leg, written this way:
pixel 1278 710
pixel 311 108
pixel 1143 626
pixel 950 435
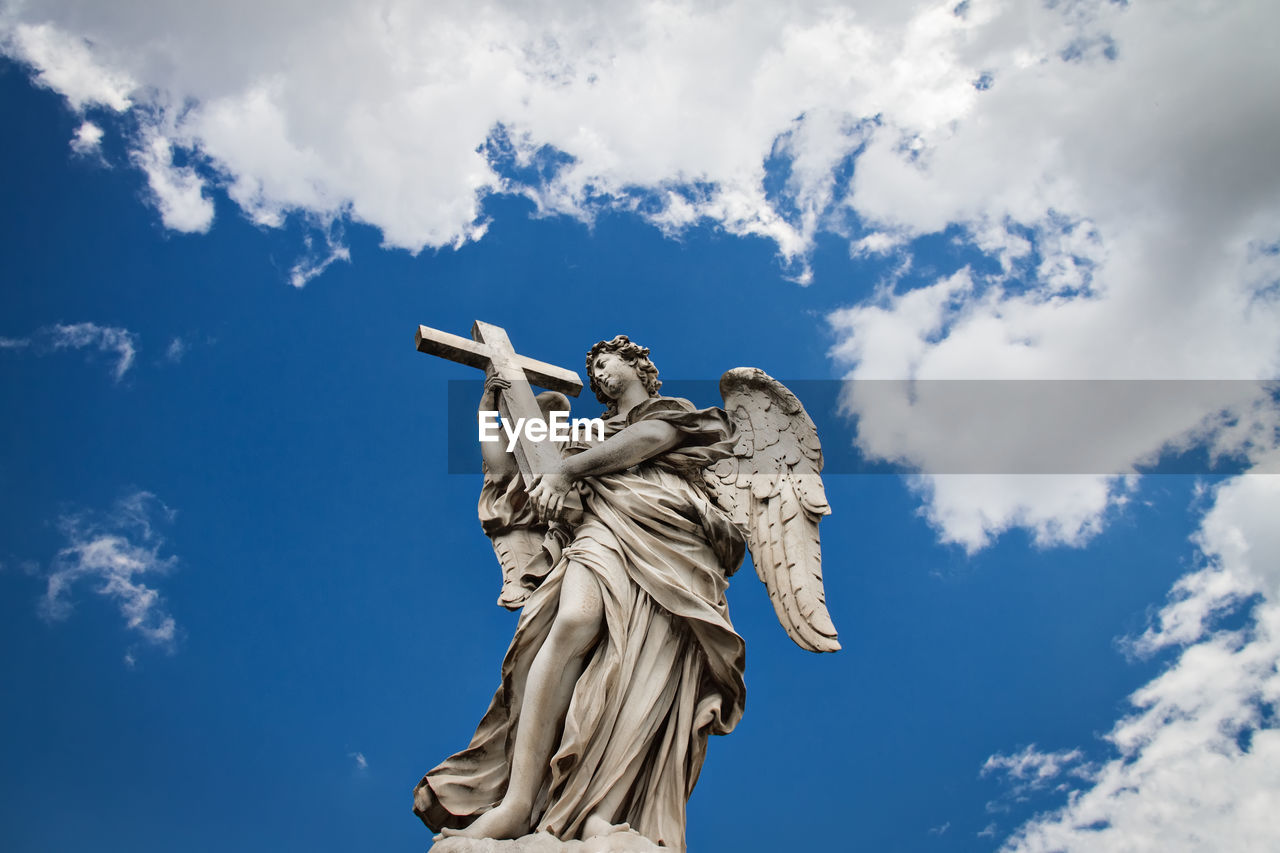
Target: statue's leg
pixel 555 671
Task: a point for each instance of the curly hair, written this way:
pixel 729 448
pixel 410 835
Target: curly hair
pixel 632 354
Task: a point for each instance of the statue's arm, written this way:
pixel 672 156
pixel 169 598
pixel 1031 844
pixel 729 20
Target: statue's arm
pixel 500 464
pixel 633 445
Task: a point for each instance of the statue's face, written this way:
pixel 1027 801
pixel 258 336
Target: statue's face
pixel 613 373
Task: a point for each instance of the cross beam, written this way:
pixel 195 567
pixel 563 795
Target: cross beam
pixel 489 340
pixel 490 350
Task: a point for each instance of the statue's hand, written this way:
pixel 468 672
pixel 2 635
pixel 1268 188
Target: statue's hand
pixel 548 492
pixel 493 386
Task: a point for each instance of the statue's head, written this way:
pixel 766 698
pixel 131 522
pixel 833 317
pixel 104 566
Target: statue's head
pixel 632 354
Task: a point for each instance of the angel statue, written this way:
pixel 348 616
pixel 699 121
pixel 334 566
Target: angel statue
pixel 624 660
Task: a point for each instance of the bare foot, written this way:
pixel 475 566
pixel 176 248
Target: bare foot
pixel 503 821
pixel 595 826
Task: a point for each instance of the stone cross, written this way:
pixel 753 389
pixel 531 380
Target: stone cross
pixel 490 350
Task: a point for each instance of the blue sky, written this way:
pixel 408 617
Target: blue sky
pixel 246 605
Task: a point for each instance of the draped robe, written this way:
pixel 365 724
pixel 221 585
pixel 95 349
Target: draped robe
pixel 667 670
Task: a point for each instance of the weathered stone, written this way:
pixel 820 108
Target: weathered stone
pixel 541 842
pixel 624 660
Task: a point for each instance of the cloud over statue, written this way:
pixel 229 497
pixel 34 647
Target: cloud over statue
pixel 618 551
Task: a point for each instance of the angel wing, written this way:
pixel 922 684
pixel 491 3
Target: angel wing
pixel 772 488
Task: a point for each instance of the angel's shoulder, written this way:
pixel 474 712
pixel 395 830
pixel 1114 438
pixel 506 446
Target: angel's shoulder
pixel 654 406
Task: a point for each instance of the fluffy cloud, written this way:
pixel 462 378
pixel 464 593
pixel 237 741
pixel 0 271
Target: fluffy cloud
pixel 1031 128
pixel 1198 762
pixel 88 138
pixel 1125 204
pixel 1109 160
pixel 178 192
pixel 65 62
pixel 405 116
pixel 118 552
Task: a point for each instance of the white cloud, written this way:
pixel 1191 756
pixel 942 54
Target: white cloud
pixel 383 114
pixel 1197 763
pixel 362 763
pixel 378 113
pixel 119 552
pixel 88 139
pixel 1030 765
pixel 1132 241
pixel 110 339
pixel 1128 240
pixel 1058 509
pixel 66 64
pixel 315 261
pixel 178 192
pixel 1029 771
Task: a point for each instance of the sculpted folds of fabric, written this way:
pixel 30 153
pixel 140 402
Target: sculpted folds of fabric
pixel 618 550
pixel 668 672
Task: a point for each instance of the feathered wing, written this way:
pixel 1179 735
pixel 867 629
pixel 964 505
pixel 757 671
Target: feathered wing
pixel 772 488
